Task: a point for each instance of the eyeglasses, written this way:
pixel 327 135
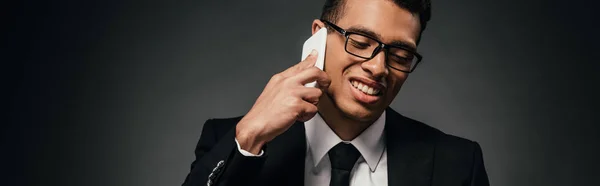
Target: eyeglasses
pixel 401 58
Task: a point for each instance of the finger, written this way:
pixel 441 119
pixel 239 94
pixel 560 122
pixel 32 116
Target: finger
pixel 312 74
pixel 309 94
pixel 309 61
pixel 308 112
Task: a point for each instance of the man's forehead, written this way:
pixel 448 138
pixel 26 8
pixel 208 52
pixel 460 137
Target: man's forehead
pixel 391 22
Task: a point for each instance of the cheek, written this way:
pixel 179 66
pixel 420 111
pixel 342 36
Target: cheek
pixel 337 64
pixel 396 80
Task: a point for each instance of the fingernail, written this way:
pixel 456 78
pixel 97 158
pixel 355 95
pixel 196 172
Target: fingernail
pixel 313 52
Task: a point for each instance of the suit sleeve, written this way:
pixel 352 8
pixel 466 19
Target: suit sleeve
pixel 218 162
pixel 478 174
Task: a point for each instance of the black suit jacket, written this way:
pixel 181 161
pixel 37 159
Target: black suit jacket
pixel 418 155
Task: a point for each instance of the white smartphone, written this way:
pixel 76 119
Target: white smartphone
pixel 317 42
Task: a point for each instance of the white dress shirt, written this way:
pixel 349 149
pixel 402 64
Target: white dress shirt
pixel 369 170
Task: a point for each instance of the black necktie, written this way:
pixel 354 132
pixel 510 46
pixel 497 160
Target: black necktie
pixel 342 157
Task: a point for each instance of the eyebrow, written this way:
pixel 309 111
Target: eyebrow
pixel 370 33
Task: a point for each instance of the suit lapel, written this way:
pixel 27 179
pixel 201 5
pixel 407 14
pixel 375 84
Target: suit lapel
pixel 409 152
pixel 286 154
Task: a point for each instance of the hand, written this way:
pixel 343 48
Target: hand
pixel 283 101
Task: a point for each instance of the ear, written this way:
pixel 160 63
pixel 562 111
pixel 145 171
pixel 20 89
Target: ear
pixel 317 25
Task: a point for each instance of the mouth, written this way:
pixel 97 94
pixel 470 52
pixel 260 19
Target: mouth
pixel 366 91
pixel 365 88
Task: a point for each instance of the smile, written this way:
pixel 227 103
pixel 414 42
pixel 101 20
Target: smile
pixel 365 88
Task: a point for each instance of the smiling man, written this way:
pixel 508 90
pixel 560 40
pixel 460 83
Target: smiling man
pixel 341 133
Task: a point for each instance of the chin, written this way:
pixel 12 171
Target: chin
pixel 350 106
pixel 358 112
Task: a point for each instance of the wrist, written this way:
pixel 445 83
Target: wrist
pixel 249 140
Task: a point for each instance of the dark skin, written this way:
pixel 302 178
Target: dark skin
pixel 346 110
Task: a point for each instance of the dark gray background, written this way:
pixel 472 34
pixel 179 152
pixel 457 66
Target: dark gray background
pixel 116 92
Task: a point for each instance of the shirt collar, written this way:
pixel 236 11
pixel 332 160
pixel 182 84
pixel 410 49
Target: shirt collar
pixel 320 138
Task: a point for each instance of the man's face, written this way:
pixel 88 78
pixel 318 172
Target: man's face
pixel 390 24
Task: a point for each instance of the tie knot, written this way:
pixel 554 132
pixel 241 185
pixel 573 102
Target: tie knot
pixel 343 156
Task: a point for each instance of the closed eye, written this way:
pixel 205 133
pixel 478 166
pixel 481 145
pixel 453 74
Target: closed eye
pixel 400 59
pixel 359 45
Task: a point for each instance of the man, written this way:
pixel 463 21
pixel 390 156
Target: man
pixel 342 132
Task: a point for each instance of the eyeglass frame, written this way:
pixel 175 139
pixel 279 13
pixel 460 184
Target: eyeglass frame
pixel 381 45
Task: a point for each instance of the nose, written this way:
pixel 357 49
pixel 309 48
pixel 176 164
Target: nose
pixel 376 66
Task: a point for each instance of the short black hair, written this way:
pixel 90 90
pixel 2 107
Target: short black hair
pixel 333 10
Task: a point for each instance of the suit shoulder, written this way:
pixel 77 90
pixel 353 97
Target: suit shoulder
pixel 423 128
pixel 453 157
pixel 450 150
pixel 449 145
pixel 440 138
pixel 454 146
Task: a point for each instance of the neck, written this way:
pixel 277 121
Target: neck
pixel 344 126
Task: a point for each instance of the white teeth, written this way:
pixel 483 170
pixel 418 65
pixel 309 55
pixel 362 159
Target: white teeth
pixel 364 88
